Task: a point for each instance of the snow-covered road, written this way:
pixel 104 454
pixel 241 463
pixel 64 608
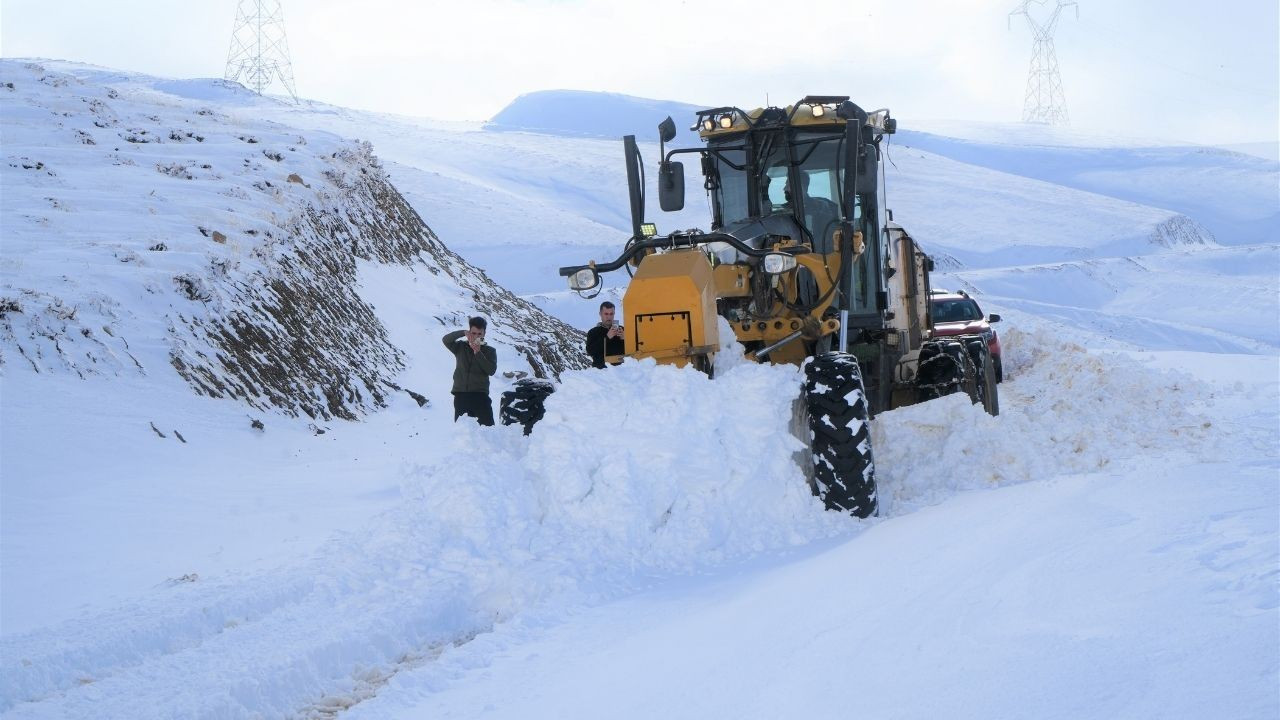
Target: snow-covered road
pixel 1140 592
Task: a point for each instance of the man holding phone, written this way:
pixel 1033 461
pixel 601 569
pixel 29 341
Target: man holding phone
pixel 476 363
pixel 606 337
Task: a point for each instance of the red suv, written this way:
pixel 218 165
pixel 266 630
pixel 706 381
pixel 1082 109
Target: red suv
pixel 955 313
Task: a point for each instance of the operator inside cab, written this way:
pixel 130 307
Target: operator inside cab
pixel 820 214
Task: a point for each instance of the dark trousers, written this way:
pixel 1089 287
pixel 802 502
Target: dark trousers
pixel 473 404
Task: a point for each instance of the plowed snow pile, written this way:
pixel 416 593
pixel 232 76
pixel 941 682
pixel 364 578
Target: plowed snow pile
pixel 1068 411
pixel 642 465
pixel 637 472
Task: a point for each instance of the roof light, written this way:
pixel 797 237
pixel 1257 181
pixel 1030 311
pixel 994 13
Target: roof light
pixel 648 229
pixel 818 111
pixel 726 121
pixel 708 124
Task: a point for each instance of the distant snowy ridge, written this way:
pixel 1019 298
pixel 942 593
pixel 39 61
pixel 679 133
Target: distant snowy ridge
pixel 976 217
pixel 1180 230
pixel 581 113
pixel 1231 196
pixel 225 248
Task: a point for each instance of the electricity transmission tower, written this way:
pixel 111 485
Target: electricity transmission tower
pixel 1044 102
pixel 259 50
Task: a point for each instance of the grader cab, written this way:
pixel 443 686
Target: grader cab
pixel 804 265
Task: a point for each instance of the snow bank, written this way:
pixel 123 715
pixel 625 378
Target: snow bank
pixel 652 465
pixel 1064 410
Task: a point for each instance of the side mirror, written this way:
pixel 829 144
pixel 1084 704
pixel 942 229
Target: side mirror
pixel 671 186
pixel 993 318
pixel 667 130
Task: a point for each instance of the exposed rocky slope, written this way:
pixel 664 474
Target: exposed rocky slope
pixel 144 231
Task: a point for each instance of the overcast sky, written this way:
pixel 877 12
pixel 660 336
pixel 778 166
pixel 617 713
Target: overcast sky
pixel 1175 69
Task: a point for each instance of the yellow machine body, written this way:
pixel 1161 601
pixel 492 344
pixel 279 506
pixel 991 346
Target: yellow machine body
pixel 672 316
pixel 671 308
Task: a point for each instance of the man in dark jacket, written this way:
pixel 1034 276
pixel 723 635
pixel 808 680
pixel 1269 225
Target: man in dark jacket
pixel 605 338
pixel 476 363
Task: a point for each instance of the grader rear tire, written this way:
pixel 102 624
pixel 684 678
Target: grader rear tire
pixel 946 367
pixel 523 404
pixel 840 434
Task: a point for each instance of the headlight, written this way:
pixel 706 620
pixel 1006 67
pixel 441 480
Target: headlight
pixel 584 279
pixel 776 263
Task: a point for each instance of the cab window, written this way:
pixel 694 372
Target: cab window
pixel 732 194
pixel 776 189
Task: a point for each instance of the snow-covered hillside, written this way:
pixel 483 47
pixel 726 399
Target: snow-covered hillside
pixel 1108 546
pixel 1232 194
pixel 522 204
pixel 121 200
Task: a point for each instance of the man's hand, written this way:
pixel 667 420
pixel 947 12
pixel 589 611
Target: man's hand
pixel 475 344
pixel 614 331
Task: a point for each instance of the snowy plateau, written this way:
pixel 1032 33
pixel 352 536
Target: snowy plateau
pixel 232 487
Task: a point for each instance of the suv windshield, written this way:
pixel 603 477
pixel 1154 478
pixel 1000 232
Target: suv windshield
pixel 962 310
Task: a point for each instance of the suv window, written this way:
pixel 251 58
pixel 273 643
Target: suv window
pixel 962 310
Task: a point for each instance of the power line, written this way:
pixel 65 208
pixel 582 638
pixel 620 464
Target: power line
pixel 1044 101
pixel 259 52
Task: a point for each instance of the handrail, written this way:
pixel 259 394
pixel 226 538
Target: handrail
pixel 678 240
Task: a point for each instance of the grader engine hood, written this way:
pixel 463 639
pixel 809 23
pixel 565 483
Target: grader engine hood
pixel 671 308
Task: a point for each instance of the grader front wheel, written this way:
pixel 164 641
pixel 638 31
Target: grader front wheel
pixel 840 434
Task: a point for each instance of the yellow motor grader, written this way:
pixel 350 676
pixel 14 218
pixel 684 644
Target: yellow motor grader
pixel 805 264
